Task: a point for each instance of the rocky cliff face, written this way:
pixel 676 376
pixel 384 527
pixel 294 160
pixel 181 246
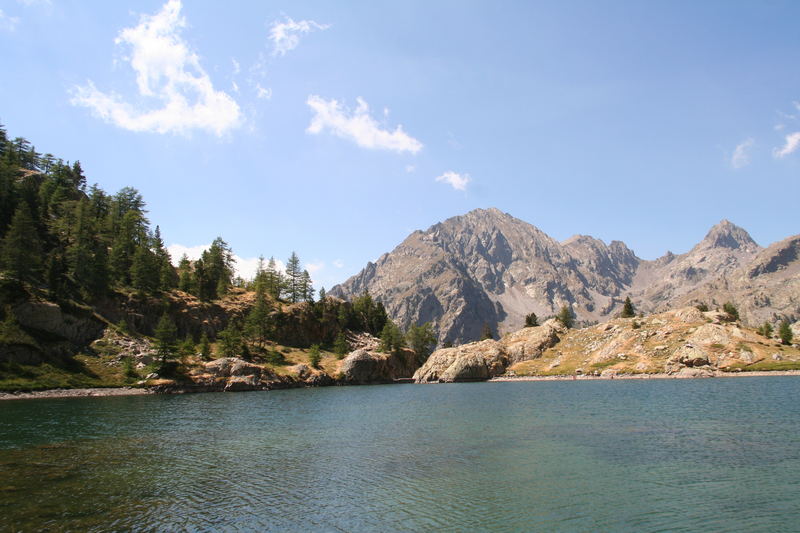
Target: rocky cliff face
pixel 489 267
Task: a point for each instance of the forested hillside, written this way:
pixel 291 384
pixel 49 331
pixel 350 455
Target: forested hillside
pixel 77 262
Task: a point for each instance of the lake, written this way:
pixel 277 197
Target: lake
pixel 678 455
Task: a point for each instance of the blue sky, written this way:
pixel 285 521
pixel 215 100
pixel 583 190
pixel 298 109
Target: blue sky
pixel 335 129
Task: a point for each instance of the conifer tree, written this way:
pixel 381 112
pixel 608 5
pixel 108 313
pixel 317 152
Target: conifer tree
pixel 185 281
pixel 422 340
pixel 531 320
pixel 21 253
pixel 785 332
pixel 627 309
pixel 205 347
pixel 340 345
pixel 166 335
pixel 565 316
pixel 392 338
pixel 293 279
pixel 486 332
pixel 258 325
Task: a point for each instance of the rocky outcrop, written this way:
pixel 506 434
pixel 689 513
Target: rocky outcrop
pixel 489 267
pixel 683 342
pixel 489 358
pixel 362 366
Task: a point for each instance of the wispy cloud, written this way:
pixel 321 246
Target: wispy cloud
pixel 262 92
pixel 285 35
pixel 169 73
pixel 338 263
pixel 741 154
pixel 7 22
pixel 455 180
pixel 357 125
pixel 791 144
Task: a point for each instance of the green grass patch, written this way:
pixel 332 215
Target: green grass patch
pixel 765 366
pixel 604 364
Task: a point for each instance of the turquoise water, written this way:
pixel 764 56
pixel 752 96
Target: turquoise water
pixel 677 455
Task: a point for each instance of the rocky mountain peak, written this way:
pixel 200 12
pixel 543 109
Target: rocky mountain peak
pixel 726 234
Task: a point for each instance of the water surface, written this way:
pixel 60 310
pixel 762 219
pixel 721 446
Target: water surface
pixel 678 455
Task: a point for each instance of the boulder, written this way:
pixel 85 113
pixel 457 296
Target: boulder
pixel 695 373
pixel 362 366
pixel 469 362
pixel 530 343
pixel 243 383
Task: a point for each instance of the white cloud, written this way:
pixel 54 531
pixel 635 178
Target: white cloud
pixel 338 263
pixel 455 180
pixel 792 143
pixel 237 68
pixel 410 169
pixel 358 126
pixel 285 35
pixel 263 93
pixel 741 154
pixel 245 267
pixel 169 73
pixel 7 22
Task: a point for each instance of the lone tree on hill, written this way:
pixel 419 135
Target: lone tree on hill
pixel 785 332
pixel 566 317
pixel 627 309
pixel 531 320
pixel 730 309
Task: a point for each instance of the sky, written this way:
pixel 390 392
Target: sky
pixel 334 129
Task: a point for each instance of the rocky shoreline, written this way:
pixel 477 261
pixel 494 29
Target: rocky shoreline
pixel 710 374
pixel 76 393
pixel 132 391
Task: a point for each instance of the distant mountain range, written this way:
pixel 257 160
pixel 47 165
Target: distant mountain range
pixel 488 267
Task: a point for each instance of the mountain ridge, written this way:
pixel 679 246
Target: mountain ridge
pixel 489 267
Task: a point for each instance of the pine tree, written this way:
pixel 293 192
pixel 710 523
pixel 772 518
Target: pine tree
pixel 314 356
pixel 205 347
pixel 765 329
pixel 273 280
pixel 258 324
pixel 166 335
pixel 306 287
pixel 785 332
pixel 340 345
pixel 531 320
pixel 230 340
pixel 391 338
pixel 486 332
pixel 566 317
pixel 627 309
pixel 293 279
pixel 732 312
pixel 21 253
pixel 422 340
pixel 144 270
pixel 185 281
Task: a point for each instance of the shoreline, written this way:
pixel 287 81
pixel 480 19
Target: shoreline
pixel 133 391
pixel 75 393
pixel 717 374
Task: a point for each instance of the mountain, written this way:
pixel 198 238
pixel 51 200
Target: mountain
pixel 487 267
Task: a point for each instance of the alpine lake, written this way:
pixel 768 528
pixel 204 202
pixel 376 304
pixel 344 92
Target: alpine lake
pixel 622 455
